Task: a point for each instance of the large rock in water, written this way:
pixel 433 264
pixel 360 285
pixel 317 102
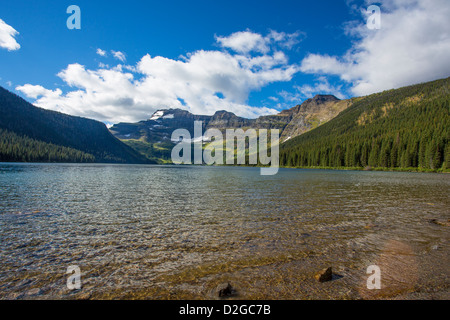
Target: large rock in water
pixel 324 275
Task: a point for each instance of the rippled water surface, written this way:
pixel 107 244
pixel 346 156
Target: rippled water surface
pixel 178 232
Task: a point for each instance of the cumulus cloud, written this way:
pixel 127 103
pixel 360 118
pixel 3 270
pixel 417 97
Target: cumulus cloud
pixel 203 83
pixel 413 45
pixel 7 34
pixel 244 42
pixel 34 91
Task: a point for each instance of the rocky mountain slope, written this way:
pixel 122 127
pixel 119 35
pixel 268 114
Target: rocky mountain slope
pixel 312 113
pixel 154 134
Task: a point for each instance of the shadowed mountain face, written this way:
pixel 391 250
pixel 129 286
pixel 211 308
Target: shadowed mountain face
pixel 291 122
pixel 29 133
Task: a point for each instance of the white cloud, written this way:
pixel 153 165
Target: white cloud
pixel 119 55
pixel 316 63
pixel 101 52
pixel 413 45
pixel 320 87
pixel 306 91
pixel 7 34
pixel 247 41
pixel 33 91
pixel 203 82
pixel 244 42
pixel 285 40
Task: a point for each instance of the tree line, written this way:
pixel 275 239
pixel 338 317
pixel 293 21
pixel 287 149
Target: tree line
pixel 15 148
pixel 402 128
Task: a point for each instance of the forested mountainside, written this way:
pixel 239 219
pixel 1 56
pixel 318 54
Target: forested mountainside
pixel 402 128
pixel 32 134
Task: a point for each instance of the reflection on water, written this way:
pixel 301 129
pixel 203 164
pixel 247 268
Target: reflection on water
pixel 156 232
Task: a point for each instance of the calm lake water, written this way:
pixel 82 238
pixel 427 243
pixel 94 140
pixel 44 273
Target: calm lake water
pixel 178 232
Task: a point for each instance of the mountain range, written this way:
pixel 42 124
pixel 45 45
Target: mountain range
pixel 291 122
pixel 152 137
pixel 399 128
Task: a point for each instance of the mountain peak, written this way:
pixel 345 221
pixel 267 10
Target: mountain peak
pixel 321 98
pixel 316 100
pixel 168 114
pixel 222 113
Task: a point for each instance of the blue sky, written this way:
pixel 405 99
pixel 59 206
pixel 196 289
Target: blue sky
pixel 248 57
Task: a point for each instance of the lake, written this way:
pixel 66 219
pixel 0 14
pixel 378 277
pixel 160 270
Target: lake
pixel 179 232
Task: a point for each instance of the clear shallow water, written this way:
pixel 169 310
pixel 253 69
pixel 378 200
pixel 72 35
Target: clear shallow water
pixel 166 232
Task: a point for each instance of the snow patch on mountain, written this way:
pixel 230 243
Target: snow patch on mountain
pixel 157 115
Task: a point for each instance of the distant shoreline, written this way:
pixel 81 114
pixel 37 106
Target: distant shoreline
pixel 419 170
pixel 376 169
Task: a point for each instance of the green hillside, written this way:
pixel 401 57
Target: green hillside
pixel 406 128
pixel 23 149
pixel 28 133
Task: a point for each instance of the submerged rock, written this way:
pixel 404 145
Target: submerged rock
pixel 226 290
pixel 34 292
pixel 324 275
pixel 440 223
